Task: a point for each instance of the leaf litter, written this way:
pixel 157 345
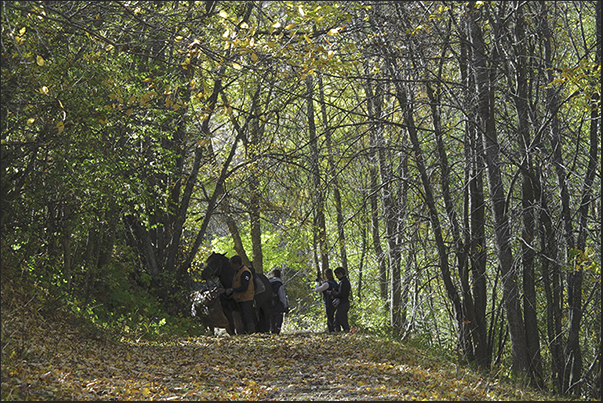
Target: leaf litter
pixel 48 356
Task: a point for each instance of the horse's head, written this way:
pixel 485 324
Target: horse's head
pixel 215 265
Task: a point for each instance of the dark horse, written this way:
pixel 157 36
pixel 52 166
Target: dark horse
pixel 218 265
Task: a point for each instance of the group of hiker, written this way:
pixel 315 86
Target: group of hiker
pixel 335 297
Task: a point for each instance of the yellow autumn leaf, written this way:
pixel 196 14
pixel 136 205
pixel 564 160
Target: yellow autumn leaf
pixel 145 99
pixel 30 121
pixel 129 112
pixel 223 14
pixel 145 391
pixel 290 26
pixel 60 127
pixel 40 60
pixel 237 66
pixel 254 57
pixel 22 31
pixel 44 90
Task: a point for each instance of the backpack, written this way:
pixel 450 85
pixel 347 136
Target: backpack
pixel 258 284
pixel 275 285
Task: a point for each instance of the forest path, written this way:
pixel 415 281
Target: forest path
pixel 61 363
pixel 50 354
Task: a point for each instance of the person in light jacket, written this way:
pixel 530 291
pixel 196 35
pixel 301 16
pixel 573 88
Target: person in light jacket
pixel 323 286
pixel 280 304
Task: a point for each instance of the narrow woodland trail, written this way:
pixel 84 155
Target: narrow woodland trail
pixel 49 354
pixel 62 364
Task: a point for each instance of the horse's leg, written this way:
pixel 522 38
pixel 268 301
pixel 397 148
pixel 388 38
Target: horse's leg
pixel 267 316
pixel 261 323
pixel 238 322
pixel 226 308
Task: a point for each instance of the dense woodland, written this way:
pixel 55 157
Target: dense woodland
pixel 446 154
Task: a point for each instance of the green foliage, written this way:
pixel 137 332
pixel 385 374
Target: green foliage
pixel 107 112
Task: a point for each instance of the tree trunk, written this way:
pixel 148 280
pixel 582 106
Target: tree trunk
pixel 374 130
pixel 334 179
pixel 573 356
pixel 451 290
pixel 321 231
pixel 254 202
pixel 475 212
pixel 233 228
pixel 390 215
pixel 487 126
pixel 470 325
pixel 527 200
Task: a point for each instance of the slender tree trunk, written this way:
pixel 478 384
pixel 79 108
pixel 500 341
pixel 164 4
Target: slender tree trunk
pixel 374 130
pixel 451 291
pixel 552 288
pixel 321 231
pixel 254 203
pixel 470 324
pixel 497 196
pixel 475 212
pixel 573 356
pixel 66 244
pixel 333 179
pixel 233 228
pixel 528 202
pixel 391 218
pixel 575 278
pixel 573 349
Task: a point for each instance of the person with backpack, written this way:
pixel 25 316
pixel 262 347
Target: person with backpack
pixel 323 287
pixel 341 300
pixel 280 304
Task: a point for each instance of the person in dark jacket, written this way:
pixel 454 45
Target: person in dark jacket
pixel 342 292
pixel 280 305
pixel 323 286
pixel 243 292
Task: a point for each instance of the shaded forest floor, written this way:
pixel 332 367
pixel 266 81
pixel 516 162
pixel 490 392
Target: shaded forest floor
pixel 48 354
